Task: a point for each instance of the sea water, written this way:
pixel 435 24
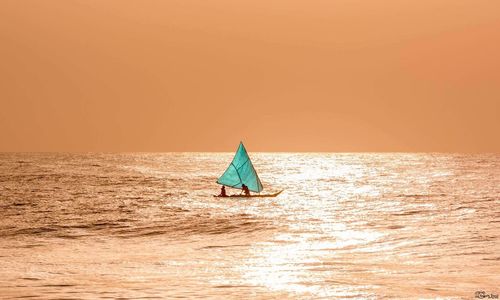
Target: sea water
pixel 364 226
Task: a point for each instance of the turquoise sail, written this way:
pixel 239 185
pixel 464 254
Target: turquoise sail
pixel 241 171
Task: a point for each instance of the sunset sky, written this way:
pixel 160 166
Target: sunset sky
pixel 332 75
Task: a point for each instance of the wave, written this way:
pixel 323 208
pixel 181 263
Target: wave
pixel 179 223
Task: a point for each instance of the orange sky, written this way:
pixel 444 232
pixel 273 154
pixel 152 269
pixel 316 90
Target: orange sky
pixel 332 75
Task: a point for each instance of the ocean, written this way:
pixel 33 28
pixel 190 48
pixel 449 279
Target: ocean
pixel 348 225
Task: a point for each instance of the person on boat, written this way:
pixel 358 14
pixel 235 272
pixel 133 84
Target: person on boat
pixel 223 192
pixel 245 189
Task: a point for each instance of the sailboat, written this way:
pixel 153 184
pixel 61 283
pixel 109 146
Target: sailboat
pixel 241 171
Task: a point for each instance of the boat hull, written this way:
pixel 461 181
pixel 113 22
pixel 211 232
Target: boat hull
pixel 251 196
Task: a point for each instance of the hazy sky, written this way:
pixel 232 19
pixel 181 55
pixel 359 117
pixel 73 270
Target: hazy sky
pixel 332 75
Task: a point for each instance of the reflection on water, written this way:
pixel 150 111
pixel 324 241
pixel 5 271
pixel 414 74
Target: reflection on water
pixel 347 226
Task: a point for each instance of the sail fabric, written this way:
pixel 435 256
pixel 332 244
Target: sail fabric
pixel 241 171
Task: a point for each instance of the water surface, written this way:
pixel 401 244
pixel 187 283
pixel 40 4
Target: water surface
pixel 366 226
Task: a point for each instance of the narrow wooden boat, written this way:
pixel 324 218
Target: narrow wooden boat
pixel 251 196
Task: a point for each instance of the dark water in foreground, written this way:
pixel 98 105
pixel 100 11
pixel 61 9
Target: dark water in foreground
pixel 365 226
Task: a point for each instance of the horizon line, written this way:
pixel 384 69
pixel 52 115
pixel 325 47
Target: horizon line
pixel 277 152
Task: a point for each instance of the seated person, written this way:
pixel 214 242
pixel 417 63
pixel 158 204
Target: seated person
pixel 245 189
pixel 223 192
